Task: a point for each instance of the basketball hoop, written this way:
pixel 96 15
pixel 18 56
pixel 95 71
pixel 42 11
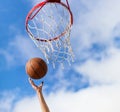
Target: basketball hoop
pixel 49 25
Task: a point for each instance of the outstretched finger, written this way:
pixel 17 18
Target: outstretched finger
pixel 32 83
pixel 41 84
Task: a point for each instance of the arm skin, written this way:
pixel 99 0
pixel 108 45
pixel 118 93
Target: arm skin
pixel 38 90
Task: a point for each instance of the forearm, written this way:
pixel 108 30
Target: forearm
pixel 43 104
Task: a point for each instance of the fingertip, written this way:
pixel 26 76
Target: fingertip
pixel 30 80
pixel 42 82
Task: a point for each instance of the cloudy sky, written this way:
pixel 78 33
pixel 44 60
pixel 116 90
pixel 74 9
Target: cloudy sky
pixel 90 84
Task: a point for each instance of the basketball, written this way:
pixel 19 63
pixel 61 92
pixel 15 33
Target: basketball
pixel 36 68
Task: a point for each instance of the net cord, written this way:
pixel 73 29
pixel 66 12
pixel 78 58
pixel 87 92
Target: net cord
pixel 52 49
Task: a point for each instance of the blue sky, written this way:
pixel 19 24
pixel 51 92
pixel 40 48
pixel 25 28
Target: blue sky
pixel 91 83
pixel 10 26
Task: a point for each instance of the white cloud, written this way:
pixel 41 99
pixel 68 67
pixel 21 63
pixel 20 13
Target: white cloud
pixel 95 99
pixel 6 56
pixel 97 22
pixel 6 101
pixel 24 46
pixel 19 50
pixel 28 104
pixel 94 22
pixel 105 71
pixel 5 104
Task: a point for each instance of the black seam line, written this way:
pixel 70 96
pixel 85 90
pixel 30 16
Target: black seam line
pixel 42 66
pixel 35 70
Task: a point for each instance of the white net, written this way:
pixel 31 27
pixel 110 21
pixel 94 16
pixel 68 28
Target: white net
pixel 50 30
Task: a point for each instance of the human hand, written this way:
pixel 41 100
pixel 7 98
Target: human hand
pixel 35 87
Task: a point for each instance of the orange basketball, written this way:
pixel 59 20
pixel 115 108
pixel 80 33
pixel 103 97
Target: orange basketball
pixel 36 68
